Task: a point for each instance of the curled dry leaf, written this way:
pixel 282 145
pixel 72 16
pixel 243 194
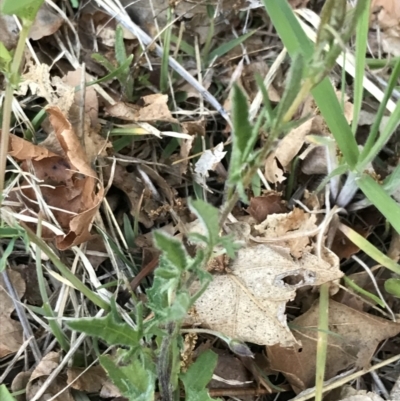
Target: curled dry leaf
pixel 40 374
pixel 288 148
pixel 354 339
pixel 249 303
pixel 68 183
pixel 10 330
pixel 154 108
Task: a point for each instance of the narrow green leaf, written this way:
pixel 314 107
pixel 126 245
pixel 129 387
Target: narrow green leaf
pixel 165 56
pixel 5 58
pixel 382 201
pixel 116 73
pixel 107 64
pixel 172 249
pixel 369 249
pixel 391 125
pixel 242 133
pixel 392 286
pixel 292 86
pixel 208 215
pixel 361 51
pixel 350 283
pixel 226 47
pixel 5 395
pixel 392 182
pixel 120 52
pixel 200 373
pixel 106 328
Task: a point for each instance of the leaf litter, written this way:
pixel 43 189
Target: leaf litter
pixel 280 260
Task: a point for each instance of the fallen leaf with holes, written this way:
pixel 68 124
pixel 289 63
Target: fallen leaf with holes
pixel 208 161
pixel 297 227
pixel 352 341
pixel 11 337
pixel 39 82
pixel 89 380
pixel 151 108
pixel 249 302
pixel 42 371
pixel 68 183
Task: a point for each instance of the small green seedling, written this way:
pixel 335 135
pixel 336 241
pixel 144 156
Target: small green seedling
pixel 122 71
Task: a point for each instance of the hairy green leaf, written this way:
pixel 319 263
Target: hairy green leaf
pixel 208 215
pixel 134 381
pixel 198 376
pixel 172 249
pixel 106 328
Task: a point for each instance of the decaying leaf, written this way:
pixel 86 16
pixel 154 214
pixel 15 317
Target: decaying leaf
pixel 11 337
pixel 69 184
pixel 39 82
pixel 249 302
pixel 46 23
pixel 40 374
pixel 153 108
pixel 352 340
pixel 89 380
pixel 208 162
pixel 299 224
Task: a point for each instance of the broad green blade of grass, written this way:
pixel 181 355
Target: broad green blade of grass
pixel 165 56
pixel 369 249
pixel 295 40
pixel 184 46
pixel 392 286
pixel 382 201
pixel 361 51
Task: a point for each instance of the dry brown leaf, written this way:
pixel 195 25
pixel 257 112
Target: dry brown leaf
pixel 8 30
pixel 46 23
pixel 154 108
pixel 11 337
pixel 262 206
pixel 48 363
pixel 357 335
pixel 68 183
pixel 90 380
pixel 110 390
pixel 249 303
pixel 297 223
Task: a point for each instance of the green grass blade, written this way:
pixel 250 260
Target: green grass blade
pixel 165 56
pixel 184 46
pixel 113 74
pixel 361 50
pixel 226 47
pixel 369 249
pixel 372 147
pixel 295 40
pixel 382 201
pixel 350 283
pixel 5 395
pixel 120 52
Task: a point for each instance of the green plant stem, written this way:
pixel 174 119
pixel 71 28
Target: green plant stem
pixel 8 98
pixel 322 343
pixel 304 91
